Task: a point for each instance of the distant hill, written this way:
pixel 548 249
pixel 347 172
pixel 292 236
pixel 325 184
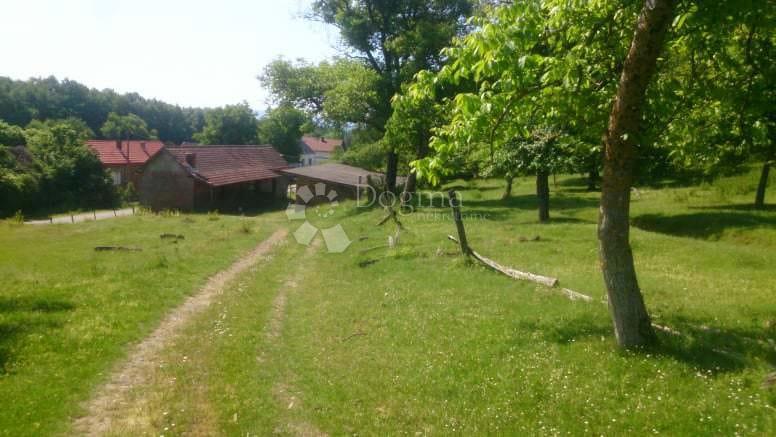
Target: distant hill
pixel 22 101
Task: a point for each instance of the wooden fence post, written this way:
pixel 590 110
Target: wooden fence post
pixel 95 214
pixel 458 218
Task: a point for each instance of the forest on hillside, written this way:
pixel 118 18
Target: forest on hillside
pixel 22 101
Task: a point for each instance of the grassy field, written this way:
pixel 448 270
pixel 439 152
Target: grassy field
pixel 409 340
pixel 414 340
pixel 67 313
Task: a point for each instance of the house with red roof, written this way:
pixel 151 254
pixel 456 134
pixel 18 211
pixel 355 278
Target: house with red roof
pixel 125 160
pixel 317 150
pixel 223 177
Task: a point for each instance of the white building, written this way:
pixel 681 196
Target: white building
pixel 317 150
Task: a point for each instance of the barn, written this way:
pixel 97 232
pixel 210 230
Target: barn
pixel 223 177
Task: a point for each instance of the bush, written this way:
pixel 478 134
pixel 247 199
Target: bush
pixel 369 156
pixel 56 172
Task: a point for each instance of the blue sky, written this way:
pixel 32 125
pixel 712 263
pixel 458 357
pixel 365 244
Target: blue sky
pixel 188 52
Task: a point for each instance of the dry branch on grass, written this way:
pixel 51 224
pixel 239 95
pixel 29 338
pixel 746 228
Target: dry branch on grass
pixel 117 249
pixel 516 274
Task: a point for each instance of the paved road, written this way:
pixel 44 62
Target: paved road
pixel 84 217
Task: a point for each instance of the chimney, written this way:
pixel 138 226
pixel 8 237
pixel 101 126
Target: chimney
pixel 323 140
pixel 143 147
pixel 191 159
pixel 118 144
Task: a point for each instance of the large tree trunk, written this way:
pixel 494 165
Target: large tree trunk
pixel 759 200
pixel 392 164
pixel 421 151
pixel 543 194
pixel 632 325
pixel 592 178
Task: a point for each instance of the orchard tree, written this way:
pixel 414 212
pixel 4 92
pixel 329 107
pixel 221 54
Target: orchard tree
pixel 528 67
pixel 231 124
pixel 555 64
pixel 413 118
pixel 632 324
pixel 722 75
pixel 542 153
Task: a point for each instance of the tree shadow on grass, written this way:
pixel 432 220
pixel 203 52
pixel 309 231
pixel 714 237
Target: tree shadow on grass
pixel 715 350
pixel 748 207
pixel 558 202
pixel 702 225
pixel 25 316
pixel 568 331
pixel 20 304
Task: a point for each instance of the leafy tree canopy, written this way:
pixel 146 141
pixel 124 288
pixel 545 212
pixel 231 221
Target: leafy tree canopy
pixel 126 127
pixel 282 127
pixel 231 124
pixel 11 135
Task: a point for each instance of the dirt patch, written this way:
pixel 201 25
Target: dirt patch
pixel 112 407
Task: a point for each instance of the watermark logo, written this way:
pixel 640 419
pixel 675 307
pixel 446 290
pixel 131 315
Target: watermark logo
pixel 322 203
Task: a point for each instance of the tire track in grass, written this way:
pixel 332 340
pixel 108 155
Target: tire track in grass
pixel 113 408
pixel 283 393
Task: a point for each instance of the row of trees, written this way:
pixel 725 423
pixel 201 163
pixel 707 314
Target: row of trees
pixel 50 99
pixel 107 114
pixel 532 87
pixel 538 83
pixel 503 79
pixel 526 70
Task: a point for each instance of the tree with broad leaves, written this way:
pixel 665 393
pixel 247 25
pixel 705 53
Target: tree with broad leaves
pixel 232 124
pixel 542 153
pixel 395 39
pixel 712 104
pixel 126 127
pixel 282 128
pixel 554 63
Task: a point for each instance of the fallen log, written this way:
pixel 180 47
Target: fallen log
pixel 573 295
pixel 172 236
pixel 117 249
pixel 516 274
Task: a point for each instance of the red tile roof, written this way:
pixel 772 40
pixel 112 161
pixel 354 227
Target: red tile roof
pixel 131 152
pixel 225 165
pixel 321 145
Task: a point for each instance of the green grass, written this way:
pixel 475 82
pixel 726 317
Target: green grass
pixel 67 313
pixel 414 340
